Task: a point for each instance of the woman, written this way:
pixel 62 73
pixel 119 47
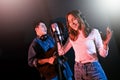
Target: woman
pixel 86 42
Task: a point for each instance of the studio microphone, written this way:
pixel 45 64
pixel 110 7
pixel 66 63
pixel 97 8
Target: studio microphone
pixel 56 31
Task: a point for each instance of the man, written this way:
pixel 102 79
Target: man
pixel 41 53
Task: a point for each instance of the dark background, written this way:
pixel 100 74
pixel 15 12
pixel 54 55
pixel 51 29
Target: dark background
pixel 16 32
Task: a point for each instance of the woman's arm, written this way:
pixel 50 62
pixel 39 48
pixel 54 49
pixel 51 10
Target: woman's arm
pixel 108 37
pixel 102 44
pixel 65 48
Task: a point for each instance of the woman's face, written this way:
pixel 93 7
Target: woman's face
pixel 73 22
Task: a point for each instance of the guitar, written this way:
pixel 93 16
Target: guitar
pixel 48 70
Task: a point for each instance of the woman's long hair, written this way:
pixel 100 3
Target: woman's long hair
pixel 73 34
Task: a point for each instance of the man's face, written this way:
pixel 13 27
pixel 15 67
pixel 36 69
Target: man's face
pixel 41 29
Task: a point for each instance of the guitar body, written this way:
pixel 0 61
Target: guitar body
pixel 48 70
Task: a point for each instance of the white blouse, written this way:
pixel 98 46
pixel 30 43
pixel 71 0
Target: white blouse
pixel 84 48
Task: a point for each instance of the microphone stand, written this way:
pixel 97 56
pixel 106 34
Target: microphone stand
pixel 59 62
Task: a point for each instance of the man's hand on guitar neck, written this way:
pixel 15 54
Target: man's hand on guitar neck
pixel 49 60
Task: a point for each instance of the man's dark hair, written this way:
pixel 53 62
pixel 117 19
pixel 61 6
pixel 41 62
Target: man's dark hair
pixel 37 22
